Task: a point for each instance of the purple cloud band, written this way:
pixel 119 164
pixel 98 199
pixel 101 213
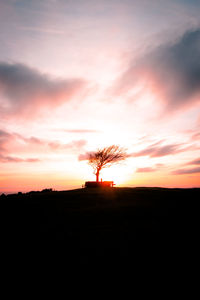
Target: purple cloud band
pixel 158 151
pixel 171 71
pixel 7 139
pixel 186 171
pixel 26 90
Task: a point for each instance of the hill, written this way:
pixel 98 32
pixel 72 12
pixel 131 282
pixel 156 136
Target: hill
pixel 113 224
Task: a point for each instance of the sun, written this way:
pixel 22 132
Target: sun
pixel 117 173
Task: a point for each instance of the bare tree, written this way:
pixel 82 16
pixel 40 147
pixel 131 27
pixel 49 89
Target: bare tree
pixel 105 158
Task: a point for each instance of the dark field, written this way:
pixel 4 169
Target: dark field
pixel 114 225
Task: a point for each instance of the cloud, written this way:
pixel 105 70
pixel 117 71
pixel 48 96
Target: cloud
pixel 145 170
pixel 171 72
pixel 24 89
pixel 194 162
pixel 11 159
pixel 196 136
pixel 84 156
pixel 4 138
pixel 158 151
pixel 9 142
pixel 53 145
pixel 80 130
pixel 186 171
pixel 74 145
pixel 32 160
pixel 156 168
pixel 3 134
pixel 29 140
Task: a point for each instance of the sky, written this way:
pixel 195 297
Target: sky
pixel 78 75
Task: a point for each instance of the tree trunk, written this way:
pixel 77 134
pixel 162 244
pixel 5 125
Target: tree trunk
pixel 97 175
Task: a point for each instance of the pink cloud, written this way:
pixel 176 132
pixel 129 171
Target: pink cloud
pixel 72 145
pixel 194 162
pixel 196 136
pixel 155 168
pixel 30 140
pixel 171 72
pixel 26 90
pixel 145 170
pixel 84 156
pixel 80 130
pixel 186 171
pixel 8 141
pixel 13 159
pixel 158 151
pixel 11 142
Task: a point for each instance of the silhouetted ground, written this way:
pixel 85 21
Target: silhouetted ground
pixel 101 226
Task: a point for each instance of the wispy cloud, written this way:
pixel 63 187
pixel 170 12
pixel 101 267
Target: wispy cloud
pixel 196 136
pixel 10 141
pixel 79 130
pixel 13 159
pixel 155 168
pixel 146 170
pixel 171 72
pixel 158 151
pixel 74 145
pixel 186 171
pixel 7 138
pixel 4 138
pixel 84 156
pixel 194 162
pixel 29 140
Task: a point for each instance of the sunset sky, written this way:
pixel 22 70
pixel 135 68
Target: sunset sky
pixel 77 75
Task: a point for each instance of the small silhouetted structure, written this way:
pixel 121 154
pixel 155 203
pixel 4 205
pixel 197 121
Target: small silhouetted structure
pixel 99 184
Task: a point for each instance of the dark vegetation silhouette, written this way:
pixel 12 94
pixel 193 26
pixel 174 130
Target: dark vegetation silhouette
pixel 104 226
pixel 105 157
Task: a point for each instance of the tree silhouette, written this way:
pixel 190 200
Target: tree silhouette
pixel 105 157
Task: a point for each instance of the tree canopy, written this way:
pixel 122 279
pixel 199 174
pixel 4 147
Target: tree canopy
pixel 105 157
